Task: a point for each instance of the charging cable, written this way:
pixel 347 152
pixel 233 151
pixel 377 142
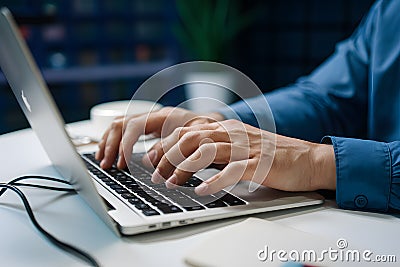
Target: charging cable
pixel 13 186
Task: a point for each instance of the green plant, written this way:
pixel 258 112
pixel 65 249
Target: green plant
pixel 207 27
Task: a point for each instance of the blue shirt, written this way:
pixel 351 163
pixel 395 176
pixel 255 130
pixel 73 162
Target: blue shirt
pixel 352 101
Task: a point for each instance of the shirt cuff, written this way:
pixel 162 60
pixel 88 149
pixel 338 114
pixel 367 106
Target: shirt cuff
pixel 363 173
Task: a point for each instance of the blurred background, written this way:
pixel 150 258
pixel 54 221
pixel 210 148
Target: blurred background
pixel 95 51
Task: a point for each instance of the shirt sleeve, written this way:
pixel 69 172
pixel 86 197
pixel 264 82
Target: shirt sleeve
pixel 332 100
pixel 367 173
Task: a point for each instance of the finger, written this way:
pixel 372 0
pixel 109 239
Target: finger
pixel 164 167
pixel 185 146
pixel 122 162
pixel 230 175
pixel 111 146
pixel 115 125
pixel 148 158
pixel 164 145
pixel 160 149
pixel 100 152
pixel 203 157
pixel 133 129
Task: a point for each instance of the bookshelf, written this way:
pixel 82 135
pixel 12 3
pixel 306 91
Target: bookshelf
pixel 91 51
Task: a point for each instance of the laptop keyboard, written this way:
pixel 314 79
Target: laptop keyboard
pixel 154 199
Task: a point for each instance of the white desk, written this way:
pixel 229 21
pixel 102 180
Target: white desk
pixel 70 219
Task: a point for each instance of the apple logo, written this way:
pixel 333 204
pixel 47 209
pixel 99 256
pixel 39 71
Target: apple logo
pixel 28 106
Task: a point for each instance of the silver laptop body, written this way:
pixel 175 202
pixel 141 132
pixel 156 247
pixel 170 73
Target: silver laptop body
pixel 44 117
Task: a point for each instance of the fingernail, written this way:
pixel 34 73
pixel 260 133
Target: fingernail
pixel 120 163
pixel 157 177
pixel 201 189
pixel 152 155
pixel 102 163
pixel 171 182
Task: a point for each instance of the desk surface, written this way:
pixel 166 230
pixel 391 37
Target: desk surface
pixel 71 220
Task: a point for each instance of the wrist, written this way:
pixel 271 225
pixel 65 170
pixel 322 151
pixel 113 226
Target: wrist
pixel 216 116
pixel 323 167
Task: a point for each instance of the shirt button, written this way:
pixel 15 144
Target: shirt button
pixel 360 201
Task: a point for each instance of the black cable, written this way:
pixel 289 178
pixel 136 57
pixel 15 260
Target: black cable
pixel 38 177
pixel 53 188
pixel 66 247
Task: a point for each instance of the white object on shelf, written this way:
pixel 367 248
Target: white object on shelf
pixel 102 115
pixel 208 91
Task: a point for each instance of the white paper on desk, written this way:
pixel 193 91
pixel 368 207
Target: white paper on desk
pixel 239 245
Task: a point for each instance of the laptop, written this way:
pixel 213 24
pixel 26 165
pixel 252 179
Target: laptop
pixel 127 201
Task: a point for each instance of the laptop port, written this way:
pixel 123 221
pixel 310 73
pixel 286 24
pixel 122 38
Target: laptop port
pixel 166 224
pixel 152 226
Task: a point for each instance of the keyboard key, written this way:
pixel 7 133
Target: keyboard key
pixel 202 199
pixel 121 191
pixel 159 202
pixel 193 208
pixel 135 200
pixel 128 195
pixel 133 187
pixel 169 209
pixel 102 176
pixel 215 204
pixel 116 186
pixel 193 182
pixel 150 212
pixel 232 200
pixel 121 177
pixel 142 206
pixel 140 192
pixel 105 179
pixel 112 171
pixel 187 203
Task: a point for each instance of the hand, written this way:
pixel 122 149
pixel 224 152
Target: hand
pixel 246 153
pixel 124 132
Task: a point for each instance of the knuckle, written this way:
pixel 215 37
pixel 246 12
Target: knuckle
pixel 163 166
pixel 163 145
pixel 207 148
pixel 179 131
pixel 157 146
pixel 165 109
pixel 109 148
pixel 116 124
pixel 131 123
pixel 101 147
pixel 190 137
pixel 164 112
pixel 232 122
pixel 182 176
